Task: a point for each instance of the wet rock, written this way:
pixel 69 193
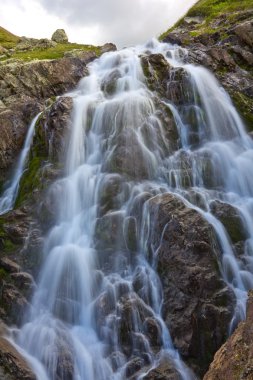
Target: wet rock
pixel 12 365
pixel 198 305
pixel 231 219
pixel 60 36
pixel 126 151
pixel 234 360
pixel 133 366
pixel 157 71
pixel 109 84
pixel 112 189
pixel 53 128
pixel 108 47
pixel 23 89
pixel 109 230
pixel 153 331
pixel 132 312
pixel 9 265
pixel 13 303
pixel 117 360
pixel 227 52
pixel 164 371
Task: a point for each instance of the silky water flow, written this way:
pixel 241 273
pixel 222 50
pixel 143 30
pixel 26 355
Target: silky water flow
pixel 98 287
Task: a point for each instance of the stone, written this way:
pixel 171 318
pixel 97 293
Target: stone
pixel 12 365
pixel 234 360
pixel 245 32
pixel 60 36
pixel 164 371
pixel 9 265
pixel 108 47
pixel 23 89
pixel 25 44
pixel 231 219
pixel 198 305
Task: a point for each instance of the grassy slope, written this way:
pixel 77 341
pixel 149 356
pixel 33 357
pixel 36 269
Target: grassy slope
pixel 53 52
pixel 7 39
pixel 210 9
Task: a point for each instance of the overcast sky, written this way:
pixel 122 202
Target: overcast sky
pixel 124 22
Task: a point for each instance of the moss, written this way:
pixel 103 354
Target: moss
pixel 53 52
pixel 245 105
pixel 3 274
pixel 30 181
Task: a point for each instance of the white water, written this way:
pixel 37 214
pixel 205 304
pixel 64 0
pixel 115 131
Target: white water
pixel 9 195
pixel 98 286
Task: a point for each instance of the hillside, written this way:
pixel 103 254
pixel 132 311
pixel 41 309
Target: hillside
pixel 219 35
pixel 7 39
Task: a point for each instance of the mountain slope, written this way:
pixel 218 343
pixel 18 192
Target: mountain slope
pixel 219 35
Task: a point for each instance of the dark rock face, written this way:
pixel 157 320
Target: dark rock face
pixel 227 52
pixel 197 303
pixel 22 230
pixel 24 87
pixel 234 360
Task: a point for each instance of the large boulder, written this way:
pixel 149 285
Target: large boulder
pixel 198 305
pixel 234 360
pixel 60 36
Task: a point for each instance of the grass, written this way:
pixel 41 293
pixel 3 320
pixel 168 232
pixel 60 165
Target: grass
pixel 213 8
pixel 210 10
pixel 52 52
pixel 7 39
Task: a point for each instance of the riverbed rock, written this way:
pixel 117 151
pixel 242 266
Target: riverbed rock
pixel 234 360
pixel 198 305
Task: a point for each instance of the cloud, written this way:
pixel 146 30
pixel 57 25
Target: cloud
pixel 124 22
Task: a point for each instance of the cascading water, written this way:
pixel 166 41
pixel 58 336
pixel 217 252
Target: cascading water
pixel 98 292
pixel 9 195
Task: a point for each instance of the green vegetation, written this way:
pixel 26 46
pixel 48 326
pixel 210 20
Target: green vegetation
pixel 53 52
pixel 210 10
pixel 213 8
pixel 7 39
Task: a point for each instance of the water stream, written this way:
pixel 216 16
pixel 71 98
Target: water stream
pixel 7 199
pixel 98 292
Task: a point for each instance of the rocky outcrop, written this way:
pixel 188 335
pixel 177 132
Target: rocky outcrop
pixel 198 305
pixel 12 365
pixel 234 360
pixel 25 44
pixel 60 36
pixel 24 89
pixel 224 45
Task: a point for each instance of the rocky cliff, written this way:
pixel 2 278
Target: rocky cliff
pixel 219 36
pixel 198 304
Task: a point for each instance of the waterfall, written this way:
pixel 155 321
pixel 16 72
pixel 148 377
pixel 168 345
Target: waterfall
pixel 98 291
pixel 9 195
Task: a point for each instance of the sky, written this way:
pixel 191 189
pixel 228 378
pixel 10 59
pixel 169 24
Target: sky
pixel 124 22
